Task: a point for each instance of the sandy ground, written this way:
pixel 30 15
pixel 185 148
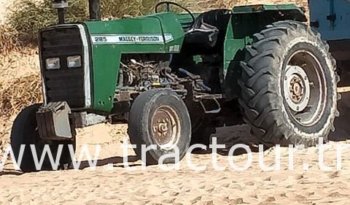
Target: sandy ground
pixel 112 183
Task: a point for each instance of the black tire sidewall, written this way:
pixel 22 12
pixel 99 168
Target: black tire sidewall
pixel 262 100
pixel 24 132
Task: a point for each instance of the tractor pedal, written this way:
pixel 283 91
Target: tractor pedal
pixel 208 96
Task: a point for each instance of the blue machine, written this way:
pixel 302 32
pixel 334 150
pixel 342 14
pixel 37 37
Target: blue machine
pixel 332 19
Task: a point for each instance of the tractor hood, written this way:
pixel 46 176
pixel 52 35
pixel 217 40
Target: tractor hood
pixel 109 40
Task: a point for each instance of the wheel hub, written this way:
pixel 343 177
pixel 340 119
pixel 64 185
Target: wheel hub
pixel 296 88
pixel 161 128
pixel 165 127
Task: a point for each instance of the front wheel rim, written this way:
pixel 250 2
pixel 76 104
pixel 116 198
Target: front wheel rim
pixel 165 127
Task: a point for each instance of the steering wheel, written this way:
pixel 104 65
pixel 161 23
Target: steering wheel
pixel 168 3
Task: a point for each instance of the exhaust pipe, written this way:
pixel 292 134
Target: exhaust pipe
pixel 94 10
pixel 60 5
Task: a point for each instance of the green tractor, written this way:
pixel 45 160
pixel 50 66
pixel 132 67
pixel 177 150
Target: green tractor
pixel 174 77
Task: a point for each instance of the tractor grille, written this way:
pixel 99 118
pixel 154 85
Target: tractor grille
pixel 64 84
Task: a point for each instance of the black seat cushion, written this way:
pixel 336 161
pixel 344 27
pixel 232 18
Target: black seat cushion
pixel 207 33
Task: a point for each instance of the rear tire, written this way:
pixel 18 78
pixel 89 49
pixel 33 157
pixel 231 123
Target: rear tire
pixel 159 118
pixel 289 85
pixel 24 132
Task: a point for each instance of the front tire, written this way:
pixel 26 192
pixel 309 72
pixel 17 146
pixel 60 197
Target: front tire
pixel 25 133
pixel 289 85
pixel 159 118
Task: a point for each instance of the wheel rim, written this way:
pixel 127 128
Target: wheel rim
pixel 165 127
pixel 304 88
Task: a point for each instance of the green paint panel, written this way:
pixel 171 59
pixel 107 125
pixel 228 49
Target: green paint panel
pixel 232 46
pixel 111 39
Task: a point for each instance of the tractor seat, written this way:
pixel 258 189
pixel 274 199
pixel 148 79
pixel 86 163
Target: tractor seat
pixel 208 31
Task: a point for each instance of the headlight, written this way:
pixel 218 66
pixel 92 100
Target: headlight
pixel 74 61
pixel 53 63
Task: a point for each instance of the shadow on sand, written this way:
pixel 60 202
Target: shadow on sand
pixel 115 161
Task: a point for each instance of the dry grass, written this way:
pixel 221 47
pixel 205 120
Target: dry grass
pixel 14 95
pixel 18 63
pixel 19 86
pixel 5 129
pixel 8 39
pixel 18 93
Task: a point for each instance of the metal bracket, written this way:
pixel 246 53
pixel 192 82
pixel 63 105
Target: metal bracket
pixel 53 121
pixel 216 111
